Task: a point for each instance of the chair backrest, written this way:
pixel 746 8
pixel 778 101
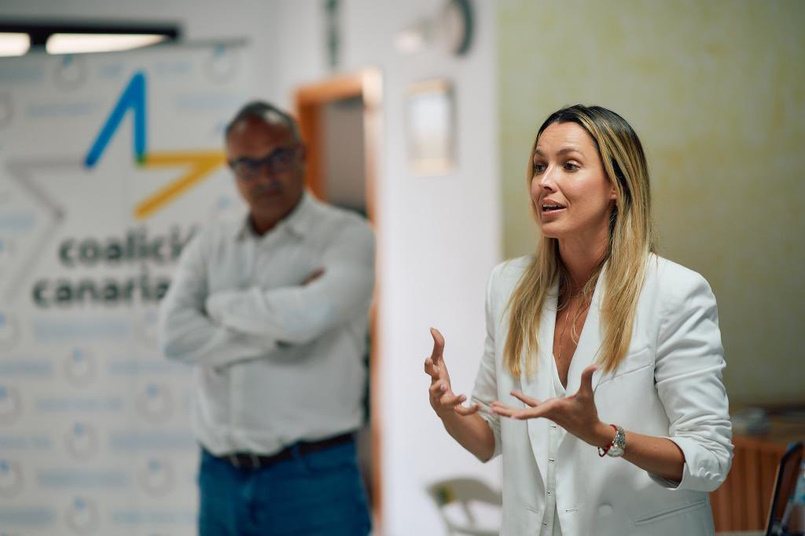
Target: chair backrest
pixel 785 484
pixel 464 491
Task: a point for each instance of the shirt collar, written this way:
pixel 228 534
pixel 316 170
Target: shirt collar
pixel 298 222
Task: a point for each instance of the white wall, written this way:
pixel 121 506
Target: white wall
pixel 439 237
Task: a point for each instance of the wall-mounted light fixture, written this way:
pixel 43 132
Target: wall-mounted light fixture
pixel 14 43
pixel 16 38
pixel 71 43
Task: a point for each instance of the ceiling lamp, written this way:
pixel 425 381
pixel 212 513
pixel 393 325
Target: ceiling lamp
pixel 76 43
pixel 14 44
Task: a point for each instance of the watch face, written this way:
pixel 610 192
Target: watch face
pixel 618 443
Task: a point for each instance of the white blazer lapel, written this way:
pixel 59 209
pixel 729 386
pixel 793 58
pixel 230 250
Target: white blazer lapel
pixel 589 344
pixel 537 385
pixel 587 349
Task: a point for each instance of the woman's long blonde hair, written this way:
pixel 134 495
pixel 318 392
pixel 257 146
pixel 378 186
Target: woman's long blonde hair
pixel 631 239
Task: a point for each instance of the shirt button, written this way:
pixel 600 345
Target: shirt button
pixel 553 426
pixel 549 493
pixel 551 460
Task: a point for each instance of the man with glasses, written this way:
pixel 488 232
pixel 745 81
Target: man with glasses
pixel 272 311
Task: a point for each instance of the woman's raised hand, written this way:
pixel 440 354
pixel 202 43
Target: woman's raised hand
pixel 444 402
pixel 576 413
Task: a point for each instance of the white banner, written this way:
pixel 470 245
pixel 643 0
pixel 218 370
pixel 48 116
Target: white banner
pixel 107 164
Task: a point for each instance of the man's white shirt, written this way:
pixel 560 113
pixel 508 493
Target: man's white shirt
pixel 276 360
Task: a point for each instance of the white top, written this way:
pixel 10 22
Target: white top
pixel 668 385
pixel 276 361
pixel 551 525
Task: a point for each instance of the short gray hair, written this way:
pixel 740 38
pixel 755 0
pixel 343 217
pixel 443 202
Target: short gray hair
pixel 265 112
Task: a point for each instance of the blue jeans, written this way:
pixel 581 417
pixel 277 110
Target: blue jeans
pixel 316 494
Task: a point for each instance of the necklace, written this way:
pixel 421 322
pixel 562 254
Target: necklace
pixel 562 336
pixel 582 309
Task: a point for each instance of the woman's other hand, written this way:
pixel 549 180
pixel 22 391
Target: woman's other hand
pixel 576 413
pixel 442 398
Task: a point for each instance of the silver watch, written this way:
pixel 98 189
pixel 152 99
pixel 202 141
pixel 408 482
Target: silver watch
pixel 618 446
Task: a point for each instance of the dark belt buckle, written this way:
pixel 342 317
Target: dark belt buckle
pixel 245 461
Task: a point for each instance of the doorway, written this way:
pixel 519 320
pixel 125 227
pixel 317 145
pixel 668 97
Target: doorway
pixel 340 122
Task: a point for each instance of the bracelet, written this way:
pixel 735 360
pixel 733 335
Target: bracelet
pixel 603 451
pixel 618 445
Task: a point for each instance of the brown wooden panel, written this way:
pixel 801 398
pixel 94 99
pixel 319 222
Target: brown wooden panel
pixel 738 490
pixel 754 502
pixel 310 125
pixel 719 503
pixel 742 502
pixel 330 90
pixel 734 484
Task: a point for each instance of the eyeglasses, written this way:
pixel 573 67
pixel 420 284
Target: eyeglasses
pixel 279 161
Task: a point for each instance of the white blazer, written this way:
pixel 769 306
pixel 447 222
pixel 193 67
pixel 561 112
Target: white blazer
pixel 668 385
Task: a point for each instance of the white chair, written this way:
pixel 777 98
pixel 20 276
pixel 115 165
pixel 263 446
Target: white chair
pixel 464 492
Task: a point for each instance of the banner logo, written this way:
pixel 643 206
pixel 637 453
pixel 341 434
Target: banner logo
pixel 198 165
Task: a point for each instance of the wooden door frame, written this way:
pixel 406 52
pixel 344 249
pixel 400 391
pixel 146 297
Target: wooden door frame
pixel 310 100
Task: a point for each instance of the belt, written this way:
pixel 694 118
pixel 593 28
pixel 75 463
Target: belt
pixel 251 461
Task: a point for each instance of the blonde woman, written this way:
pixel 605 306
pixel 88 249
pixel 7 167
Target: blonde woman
pixel 600 383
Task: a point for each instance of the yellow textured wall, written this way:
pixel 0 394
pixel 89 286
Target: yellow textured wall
pixel 716 92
